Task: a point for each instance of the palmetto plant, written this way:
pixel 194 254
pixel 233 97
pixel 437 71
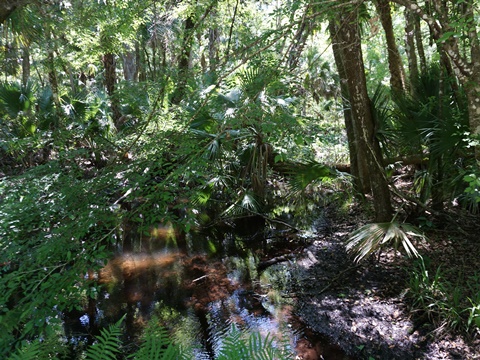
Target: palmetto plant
pixel 236 129
pixel 16 104
pixel 432 124
pixel 371 238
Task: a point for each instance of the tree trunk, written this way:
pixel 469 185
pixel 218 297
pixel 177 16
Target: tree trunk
pixel 184 63
pixel 366 142
pixel 466 68
pixel 410 48
pixel 213 58
pixel 25 65
pixel 140 61
pixel 130 71
pixel 358 145
pixel 109 65
pixel 472 86
pixel 397 75
pixel 347 114
pixel 419 44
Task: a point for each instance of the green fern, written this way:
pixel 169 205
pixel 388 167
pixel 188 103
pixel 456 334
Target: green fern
pixel 158 346
pixel 233 346
pixel 254 347
pixel 30 351
pixel 108 344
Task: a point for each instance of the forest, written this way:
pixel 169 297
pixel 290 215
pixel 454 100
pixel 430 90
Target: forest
pixel 239 179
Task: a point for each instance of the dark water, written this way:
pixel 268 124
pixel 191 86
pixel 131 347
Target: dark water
pixel 197 286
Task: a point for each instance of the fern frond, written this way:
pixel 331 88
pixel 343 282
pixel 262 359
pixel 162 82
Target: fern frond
pixel 157 345
pixel 233 346
pixel 30 351
pixel 108 343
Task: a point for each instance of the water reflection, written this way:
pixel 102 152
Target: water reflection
pixel 195 287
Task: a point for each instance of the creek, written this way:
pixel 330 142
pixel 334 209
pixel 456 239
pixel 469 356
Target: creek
pixel 198 285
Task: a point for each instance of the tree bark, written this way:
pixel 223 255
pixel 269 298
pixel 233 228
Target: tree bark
pixel 109 64
pixel 366 142
pixel 184 62
pixel 397 75
pixel 25 65
pixel 410 49
pixel 419 44
pixel 213 58
pixel 130 71
pixel 347 114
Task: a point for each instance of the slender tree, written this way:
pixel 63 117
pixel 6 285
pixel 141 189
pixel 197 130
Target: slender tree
pixel 355 162
pixel 369 158
pixel 397 74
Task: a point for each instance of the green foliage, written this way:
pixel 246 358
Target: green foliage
pixel 157 345
pixel 31 351
pixel 302 174
pixel 16 105
pixel 55 225
pixel 471 196
pixel 108 343
pixel 447 305
pixel 371 238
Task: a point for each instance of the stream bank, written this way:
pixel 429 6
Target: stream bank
pixel 363 308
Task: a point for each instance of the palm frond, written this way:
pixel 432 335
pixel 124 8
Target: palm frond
pixel 16 98
pixel 302 174
pixel 246 203
pixel 371 238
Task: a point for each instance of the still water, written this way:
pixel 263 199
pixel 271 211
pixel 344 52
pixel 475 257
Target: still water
pixel 197 286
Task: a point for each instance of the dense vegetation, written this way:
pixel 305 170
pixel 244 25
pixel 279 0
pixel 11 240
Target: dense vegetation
pixel 121 115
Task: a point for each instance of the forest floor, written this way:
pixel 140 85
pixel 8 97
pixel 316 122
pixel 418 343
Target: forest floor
pixel 365 308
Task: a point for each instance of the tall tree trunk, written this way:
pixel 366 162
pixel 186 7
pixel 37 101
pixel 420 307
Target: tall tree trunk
pixel 367 144
pixel 213 57
pixel 184 62
pixel 130 71
pixel 347 114
pixel 140 61
pixel 410 48
pixel 109 65
pixel 419 44
pixel 472 86
pixel 397 74
pixel 25 65
pixel 297 46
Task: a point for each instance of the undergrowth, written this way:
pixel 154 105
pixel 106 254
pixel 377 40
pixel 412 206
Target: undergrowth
pixel 448 306
pixel 156 344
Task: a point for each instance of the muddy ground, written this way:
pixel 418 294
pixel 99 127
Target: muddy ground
pixel 364 308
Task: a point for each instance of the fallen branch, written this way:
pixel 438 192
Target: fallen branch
pixel 278 259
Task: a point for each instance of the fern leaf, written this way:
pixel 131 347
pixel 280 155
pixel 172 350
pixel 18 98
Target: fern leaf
pixel 108 343
pixel 158 346
pixel 29 352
